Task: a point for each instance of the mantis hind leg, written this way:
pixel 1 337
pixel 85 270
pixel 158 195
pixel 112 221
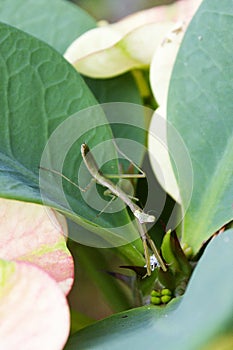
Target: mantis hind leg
pixel 108 203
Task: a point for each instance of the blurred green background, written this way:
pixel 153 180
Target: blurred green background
pixel 113 10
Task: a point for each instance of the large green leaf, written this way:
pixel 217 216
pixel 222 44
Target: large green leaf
pixel 38 91
pixel 188 324
pixel 57 22
pixel 120 331
pixel 68 23
pixel 200 107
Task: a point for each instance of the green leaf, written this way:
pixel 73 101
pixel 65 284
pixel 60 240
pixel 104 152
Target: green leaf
pixel 200 108
pixel 56 22
pixel 97 265
pixel 110 90
pixel 179 269
pixel 168 253
pixel 188 323
pixel 39 90
pixel 119 331
pixel 174 255
pixel 78 321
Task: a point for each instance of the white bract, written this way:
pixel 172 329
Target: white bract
pixel 107 51
pixel 113 49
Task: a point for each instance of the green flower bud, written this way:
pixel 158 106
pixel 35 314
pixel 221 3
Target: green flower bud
pixel 165 299
pixel 155 300
pixel 166 291
pixel 155 293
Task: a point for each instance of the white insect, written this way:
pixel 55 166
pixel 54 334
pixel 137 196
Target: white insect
pixel 153 262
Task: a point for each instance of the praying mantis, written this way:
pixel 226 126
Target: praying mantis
pixel 141 217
